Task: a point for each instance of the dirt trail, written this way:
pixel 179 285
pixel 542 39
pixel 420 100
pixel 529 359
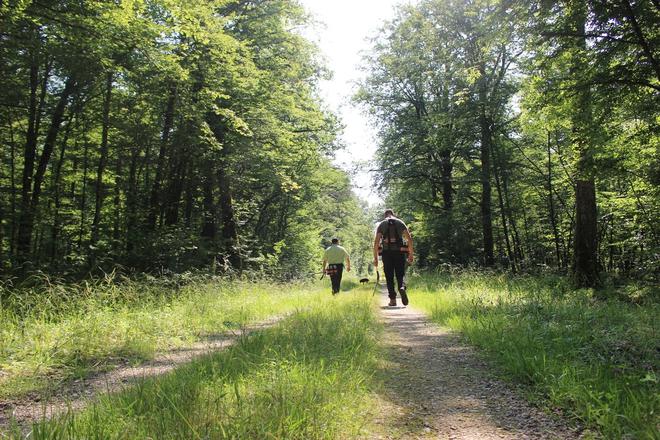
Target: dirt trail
pixel 80 393
pixel 439 387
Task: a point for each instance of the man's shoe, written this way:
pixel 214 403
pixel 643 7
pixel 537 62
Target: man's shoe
pixel 392 302
pixel 404 297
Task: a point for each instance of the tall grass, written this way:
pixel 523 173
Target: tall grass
pixel 55 332
pixel 307 378
pixel 594 360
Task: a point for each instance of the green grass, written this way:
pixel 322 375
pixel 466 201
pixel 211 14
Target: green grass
pixel 308 378
pixel 596 361
pixel 52 334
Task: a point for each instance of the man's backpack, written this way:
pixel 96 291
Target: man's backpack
pixel 392 240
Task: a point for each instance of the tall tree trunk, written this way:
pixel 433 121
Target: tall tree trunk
pixel 99 194
pixel 485 148
pixel 446 169
pixel 132 203
pixel 116 227
pixel 229 229
pixel 208 221
pixel 29 157
pixel 56 193
pixel 551 209
pixel 168 122
pixel 27 218
pixel 517 246
pixel 174 191
pixel 190 188
pixel 505 227
pixel 585 264
pixel 83 191
pixel 12 178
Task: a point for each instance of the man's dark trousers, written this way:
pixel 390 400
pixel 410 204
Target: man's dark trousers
pixel 335 272
pixel 394 264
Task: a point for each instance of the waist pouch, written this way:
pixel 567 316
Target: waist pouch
pixel 333 269
pixel 402 249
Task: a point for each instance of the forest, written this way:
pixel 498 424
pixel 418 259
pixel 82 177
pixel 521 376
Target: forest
pixel 166 136
pixel 169 178
pixel 523 135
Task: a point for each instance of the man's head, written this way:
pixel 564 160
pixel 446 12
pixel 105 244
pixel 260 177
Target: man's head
pixel 335 241
pixel 389 213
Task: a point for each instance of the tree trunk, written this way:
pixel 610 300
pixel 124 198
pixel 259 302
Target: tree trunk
pixel 517 246
pixel 585 264
pixel 446 169
pixel 505 226
pixel 132 203
pixel 551 209
pixel 29 156
pixel 116 227
pixel 56 193
pixel 190 187
pixel 99 194
pixel 208 222
pixel 176 185
pixel 486 212
pixel 83 191
pixel 12 173
pixel 27 217
pixel 229 229
pixel 168 122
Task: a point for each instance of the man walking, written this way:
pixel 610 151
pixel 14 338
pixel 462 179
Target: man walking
pixel 394 243
pixel 334 257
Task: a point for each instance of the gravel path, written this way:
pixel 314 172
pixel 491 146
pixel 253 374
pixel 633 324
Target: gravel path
pixel 439 387
pixel 77 394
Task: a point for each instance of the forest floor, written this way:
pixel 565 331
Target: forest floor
pixel 436 386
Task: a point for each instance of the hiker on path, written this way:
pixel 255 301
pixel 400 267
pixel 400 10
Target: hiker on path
pixel 394 243
pixel 334 257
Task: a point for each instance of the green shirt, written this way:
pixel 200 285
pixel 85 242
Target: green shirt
pixel 335 254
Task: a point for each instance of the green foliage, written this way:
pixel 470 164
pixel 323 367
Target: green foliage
pixel 216 139
pixel 568 91
pixel 592 360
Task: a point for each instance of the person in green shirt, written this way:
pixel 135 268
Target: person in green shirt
pixel 333 263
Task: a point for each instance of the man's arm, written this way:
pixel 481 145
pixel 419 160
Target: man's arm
pixel 411 250
pixel 348 262
pixel 376 246
pixel 325 261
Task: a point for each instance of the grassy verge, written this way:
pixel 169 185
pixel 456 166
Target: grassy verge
pixel 53 334
pixel 307 378
pixel 594 360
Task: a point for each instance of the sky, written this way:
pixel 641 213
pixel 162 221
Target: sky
pixel 343 35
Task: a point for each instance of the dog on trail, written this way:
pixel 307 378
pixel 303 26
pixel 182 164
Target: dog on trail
pixel 364 280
